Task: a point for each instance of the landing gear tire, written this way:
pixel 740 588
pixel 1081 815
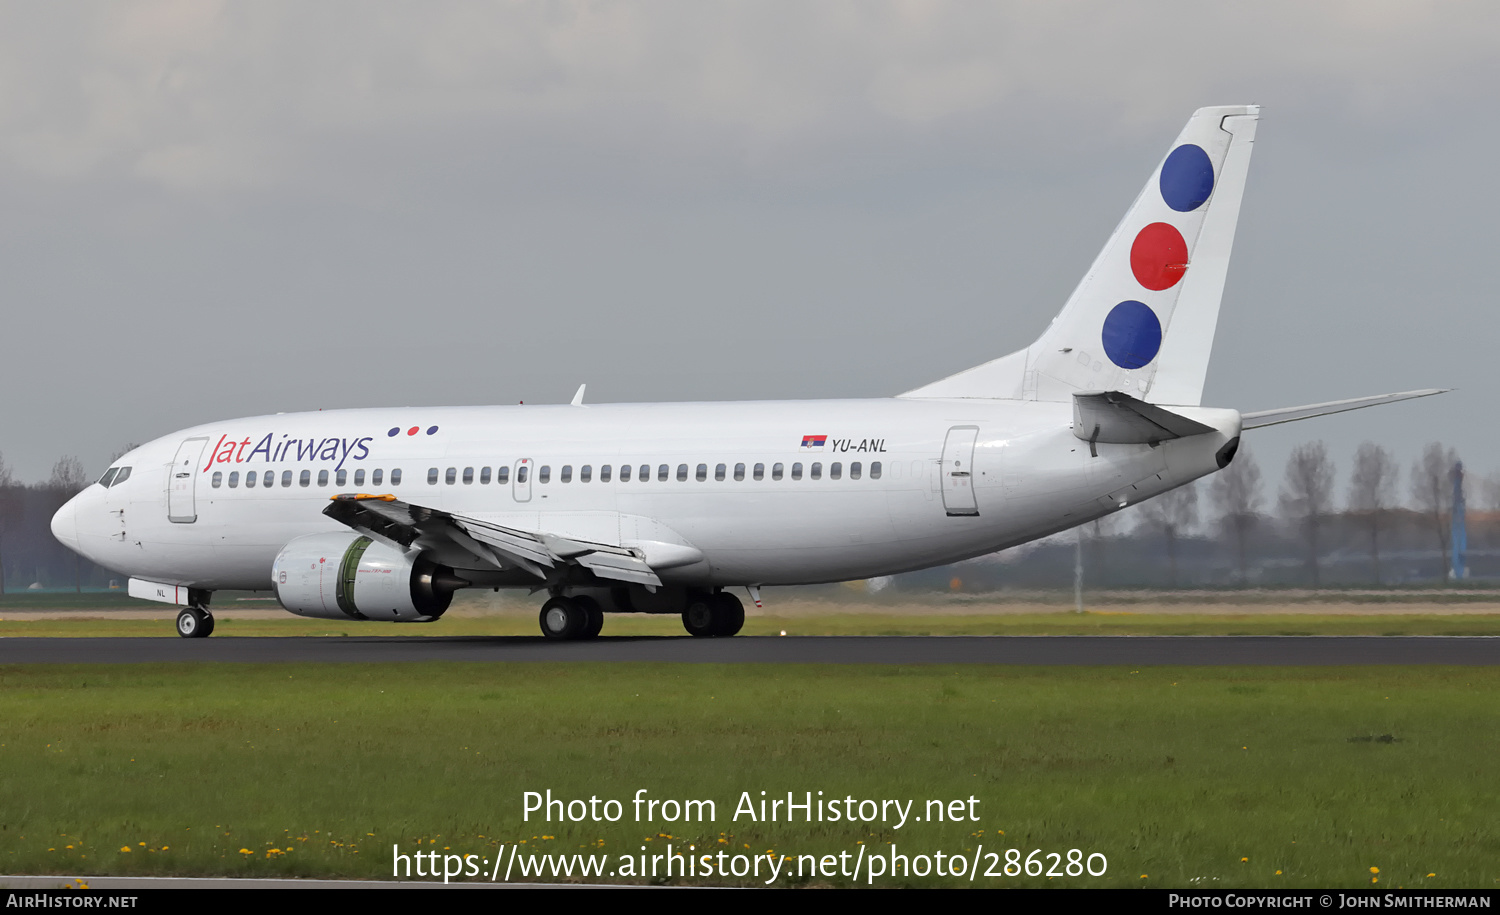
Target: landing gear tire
pixel 729 614
pixel 195 623
pixel 719 614
pixel 698 616
pixel 563 619
pixel 595 615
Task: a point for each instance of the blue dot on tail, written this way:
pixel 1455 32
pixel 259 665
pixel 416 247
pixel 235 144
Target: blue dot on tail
pixel 1187 178
pixel 393 432
pixel 1132 334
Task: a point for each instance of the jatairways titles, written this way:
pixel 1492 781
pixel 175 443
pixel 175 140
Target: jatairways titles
pixel 270 451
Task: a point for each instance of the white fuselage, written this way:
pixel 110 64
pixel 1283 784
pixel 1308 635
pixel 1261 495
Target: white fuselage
pixel 955 479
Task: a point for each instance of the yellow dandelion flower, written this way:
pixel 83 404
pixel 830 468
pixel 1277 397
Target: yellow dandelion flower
pixel 1374 870
pixel 125 848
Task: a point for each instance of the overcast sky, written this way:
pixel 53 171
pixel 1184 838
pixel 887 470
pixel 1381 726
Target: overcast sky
pixel 211 210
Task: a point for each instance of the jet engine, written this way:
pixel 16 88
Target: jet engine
pixel 350 576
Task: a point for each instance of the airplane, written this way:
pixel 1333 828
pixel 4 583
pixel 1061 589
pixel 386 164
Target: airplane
pixel 382 514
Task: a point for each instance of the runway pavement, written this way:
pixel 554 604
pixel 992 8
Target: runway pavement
pixel 1019 650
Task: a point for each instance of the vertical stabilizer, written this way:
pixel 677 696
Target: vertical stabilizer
pixel 1142 320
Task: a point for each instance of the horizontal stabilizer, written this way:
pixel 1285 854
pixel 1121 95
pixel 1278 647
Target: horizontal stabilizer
pixel 1119 419
pixel 1292 414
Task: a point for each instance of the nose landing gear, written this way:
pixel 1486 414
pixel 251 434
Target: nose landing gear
pixel 195 623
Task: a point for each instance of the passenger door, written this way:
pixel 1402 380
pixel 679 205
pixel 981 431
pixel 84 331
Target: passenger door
pixel 957 471
pixel 181 502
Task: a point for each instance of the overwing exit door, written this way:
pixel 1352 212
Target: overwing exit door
pixel 957 471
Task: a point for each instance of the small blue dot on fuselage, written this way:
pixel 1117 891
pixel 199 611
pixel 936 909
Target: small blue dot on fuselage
pixel 394 432
pixel 431 429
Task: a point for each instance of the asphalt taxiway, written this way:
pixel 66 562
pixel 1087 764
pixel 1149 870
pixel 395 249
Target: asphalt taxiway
pixel 1015 650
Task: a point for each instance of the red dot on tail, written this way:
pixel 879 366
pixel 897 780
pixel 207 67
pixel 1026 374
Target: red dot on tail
pixel 1159 256
pixel 413 430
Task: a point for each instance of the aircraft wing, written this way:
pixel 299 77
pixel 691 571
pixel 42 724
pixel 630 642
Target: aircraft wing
pixel 1292 414
pixel 405 525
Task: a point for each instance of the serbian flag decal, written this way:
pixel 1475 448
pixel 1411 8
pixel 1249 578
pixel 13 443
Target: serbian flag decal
pixel 814 441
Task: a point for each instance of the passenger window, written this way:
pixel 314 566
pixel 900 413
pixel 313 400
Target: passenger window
pixel 502 475
pixel 544 475
pixel 521 473
pixel 304 478
pixel 586 473
pixel 874 470
pixel 359 476
pixel 218 478
pixel 776 471
pixel 468 476
pixel 645 473
pixel 109 476
pixel 450 476
pixel 682 473
pixel 797 471
pixel 624 473
pixel 817 470
pixel 265 481
pixel 567 473
pixel 665 471
pixel 432 475
pixel 396 477
pixel 484 476
pixel 702 472
pixel 760 471
pixel 854 470
pixel 322 478
pixel 250 480
pixel 604 474
pixel 286 478
pixel 739 472
pixel 835 470
pixel 341 477
pixel 234 479
pixel 375 476
pixel 719 472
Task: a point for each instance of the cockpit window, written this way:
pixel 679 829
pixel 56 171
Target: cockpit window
pixel 114 476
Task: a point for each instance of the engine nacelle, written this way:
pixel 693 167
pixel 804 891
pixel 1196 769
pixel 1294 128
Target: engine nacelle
pixel 349 576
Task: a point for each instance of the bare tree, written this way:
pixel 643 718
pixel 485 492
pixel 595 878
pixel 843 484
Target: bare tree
pixel 68 477
pixel 1235 491
pixel 67 481
pixel 1372 488
pixel 1172 513
pixel 1432 490
pixel 1307 497
pixel 9 509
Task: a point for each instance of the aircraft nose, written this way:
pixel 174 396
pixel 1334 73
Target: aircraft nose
pixel 65 524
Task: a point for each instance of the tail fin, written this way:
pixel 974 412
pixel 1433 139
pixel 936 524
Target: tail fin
pixel 1142 320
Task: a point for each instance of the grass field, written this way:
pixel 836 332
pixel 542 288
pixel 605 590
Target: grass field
pixel 1224 777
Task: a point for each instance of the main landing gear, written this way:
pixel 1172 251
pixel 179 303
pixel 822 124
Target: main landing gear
pixel 717 614
pixel 195 623
pixel 567 618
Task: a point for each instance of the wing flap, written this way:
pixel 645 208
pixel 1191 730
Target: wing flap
pixel 406 525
